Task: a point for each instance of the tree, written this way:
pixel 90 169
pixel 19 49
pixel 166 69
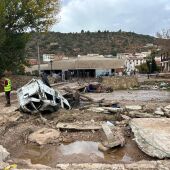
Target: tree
pixel 150 66
pixel 143 68
pixel 163 39
pixel 18 17
pixel 151 63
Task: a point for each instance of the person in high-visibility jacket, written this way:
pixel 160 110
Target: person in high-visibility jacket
pixel 7 89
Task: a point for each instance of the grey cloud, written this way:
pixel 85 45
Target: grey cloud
pixel 141 16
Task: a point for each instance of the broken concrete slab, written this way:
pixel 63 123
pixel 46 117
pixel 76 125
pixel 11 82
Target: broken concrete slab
pixel 141 165
pixel 167 107
pixel 106 109
pixel 97 109
pixel 113 109
pixel 137 114
pixel 159 111
pixel 4 154
pixel 89 125
pixel 114 137
pixel 133 107
pixel 88 166
pixel 44 136
pixel 152 136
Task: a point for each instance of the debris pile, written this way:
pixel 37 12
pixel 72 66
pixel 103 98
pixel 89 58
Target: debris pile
pixel 35 96
pixel 152 136
pixel 44 136
pixel 114 137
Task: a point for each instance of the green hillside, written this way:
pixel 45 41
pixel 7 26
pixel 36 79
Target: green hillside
pixel 72 44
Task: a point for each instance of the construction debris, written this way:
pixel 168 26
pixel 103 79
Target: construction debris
pixel 133 107
pixel 159 111
pixel 138 114
pixel 80 125
pixel 4 154
pixel 98 88
pixel 152 136
pixel 36 97
pixel 114 137
pixel 44 136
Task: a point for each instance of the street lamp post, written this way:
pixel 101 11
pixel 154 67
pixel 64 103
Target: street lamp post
pixel 150 64
pixel 38 51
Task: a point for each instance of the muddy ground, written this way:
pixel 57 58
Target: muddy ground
pixel 75 146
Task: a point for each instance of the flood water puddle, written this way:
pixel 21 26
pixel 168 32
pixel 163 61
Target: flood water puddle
pixel 81 147
pixel 80 152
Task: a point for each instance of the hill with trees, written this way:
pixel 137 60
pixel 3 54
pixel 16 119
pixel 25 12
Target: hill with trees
pixel 73 44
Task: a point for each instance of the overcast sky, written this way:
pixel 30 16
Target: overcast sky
pixel 140 16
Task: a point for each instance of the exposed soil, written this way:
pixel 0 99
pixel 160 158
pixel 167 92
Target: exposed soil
pixel 76 146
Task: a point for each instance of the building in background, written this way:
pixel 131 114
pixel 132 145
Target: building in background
pixel 52 57
pixel 165 62
pixel 91 65
pixel 32 61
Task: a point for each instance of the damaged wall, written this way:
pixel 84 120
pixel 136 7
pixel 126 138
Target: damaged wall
pixel 120 83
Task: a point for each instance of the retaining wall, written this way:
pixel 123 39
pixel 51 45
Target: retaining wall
pixel 120 83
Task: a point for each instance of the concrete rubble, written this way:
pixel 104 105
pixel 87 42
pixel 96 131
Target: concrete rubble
pixel 4 154
pixel 159 111
pixel 44 136
pixel 167 111
pixel 114 137
pixel 80 125
pixel 137 114
pixel 106 109
pixel 152 136
pixel 133 107
pixel 141 165
pixel 98 120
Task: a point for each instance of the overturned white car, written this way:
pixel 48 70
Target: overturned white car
pixel 36 97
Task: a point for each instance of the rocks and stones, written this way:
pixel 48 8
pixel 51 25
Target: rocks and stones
pixel 106 109
pixel 44 136
pixel 113 109
pixel 114 137
pixel 97 109
pixel 152 136
pixel 141 165
pixel 159 111
pixel 27 164
pixel 4 154
pixel 89 125
pixel 167 107
pixel 3 165
pixel 167 111
pixel 137 114
pixel 133 107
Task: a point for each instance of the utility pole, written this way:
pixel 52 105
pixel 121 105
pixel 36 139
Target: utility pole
pixel 51 62
pixel 38 50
